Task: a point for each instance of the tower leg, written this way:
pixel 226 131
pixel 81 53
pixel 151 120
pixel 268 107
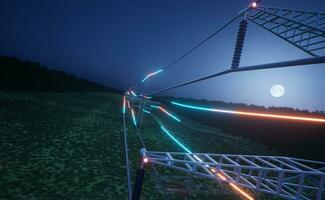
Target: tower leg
pixel 138 183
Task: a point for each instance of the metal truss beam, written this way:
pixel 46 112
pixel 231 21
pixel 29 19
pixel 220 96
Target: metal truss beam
pixel 286 177
pixel 303 29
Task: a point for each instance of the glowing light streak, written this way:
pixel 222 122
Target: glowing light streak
pixel 175 140
pixel 151 74
pixel 144 96
pixel 133 117
pixel 133 93
pixel 213 170
pixel 221 176
pixel 124 104
pixel 146 111
pixel 241 191
pixel 275 116
pixel 166 112
pixel 147 97
pixel 199 159
pixel 224 179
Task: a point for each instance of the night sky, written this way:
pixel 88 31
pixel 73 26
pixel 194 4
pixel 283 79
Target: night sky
pixel 116 43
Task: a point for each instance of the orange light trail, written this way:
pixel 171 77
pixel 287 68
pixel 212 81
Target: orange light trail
pixel 206 165
pixel 166 112
pixel 242 192
pixel 255 114
pixel 280 116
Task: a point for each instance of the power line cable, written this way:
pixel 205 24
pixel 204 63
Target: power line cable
pixel 192 49
pixel 202 42
pixel 127 156
pixel 156 173
pixel 291 63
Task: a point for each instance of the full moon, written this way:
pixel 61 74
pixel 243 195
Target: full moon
pixel 277 90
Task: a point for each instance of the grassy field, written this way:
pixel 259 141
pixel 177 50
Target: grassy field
pixel 70 146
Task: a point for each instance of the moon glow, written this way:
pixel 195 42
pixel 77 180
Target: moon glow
pixel 277 90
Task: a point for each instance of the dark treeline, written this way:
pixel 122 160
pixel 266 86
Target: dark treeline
pixel 19 75
pixel 294 138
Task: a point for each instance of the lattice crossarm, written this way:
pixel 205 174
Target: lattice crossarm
pixel 290 178
pixel 303 29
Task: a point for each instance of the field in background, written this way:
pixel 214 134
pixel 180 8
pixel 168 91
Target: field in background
pixel 70 146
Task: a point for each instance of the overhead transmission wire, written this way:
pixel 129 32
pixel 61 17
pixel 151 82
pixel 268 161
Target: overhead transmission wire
pixel 135 123
pixel 168 113
pixel 202 42
pixel 272 65
pixel 250 6
pixel 212 169
pixel 185 123
pixel 177 60
pixel 239 112
pixel 176 118
pixel 126 151
pixel 138 133
pixel 291 63
pixel 192 49
pixel 156 173
pixel 165 130
pixel 256 67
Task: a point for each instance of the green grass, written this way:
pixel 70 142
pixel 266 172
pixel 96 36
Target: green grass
pixel 70 146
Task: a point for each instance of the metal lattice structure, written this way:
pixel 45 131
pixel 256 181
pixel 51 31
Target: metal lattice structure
pixel 287 177
pixel 305 30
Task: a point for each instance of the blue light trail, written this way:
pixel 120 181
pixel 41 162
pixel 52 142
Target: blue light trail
pixel 199 108
pixel 175 140
pixel 146 111
pixel 124 104
pixel 213 170
pixel 133 93
pixel 152 74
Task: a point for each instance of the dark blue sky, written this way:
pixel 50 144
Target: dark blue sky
pixel 117 42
